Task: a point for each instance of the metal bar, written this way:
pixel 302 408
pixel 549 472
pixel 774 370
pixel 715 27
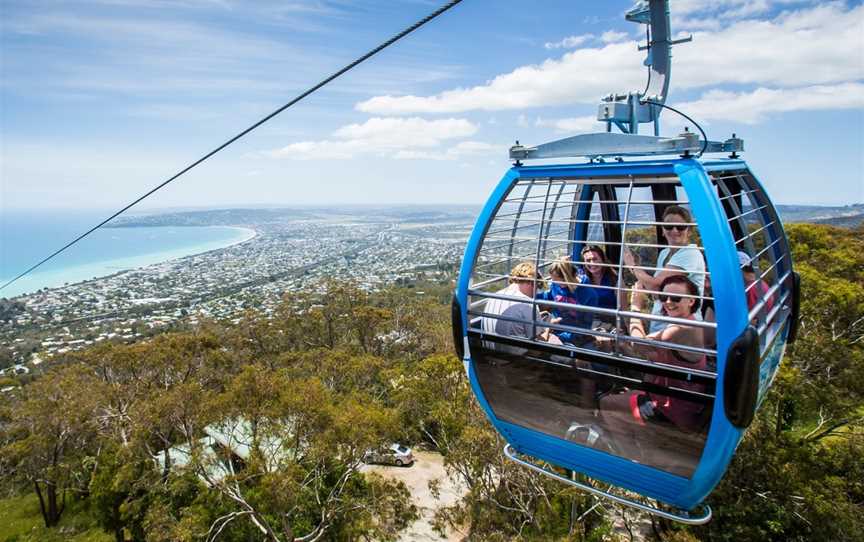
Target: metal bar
pixel 569 351
pixel 622 185
pixel 542 249
pixel 769 318
pixel 605 243
pixel 649 268
pixel 508 215
pixel 593 310
pixel 752 234
pixel 683 517
pixel 491 234
pixel 640 180
pixel 732 196
pixel 537 258
pixel 490 281
pixel 771 268
pixel 770 339
pixel 749 212
pixel 518 217
pixel 497 277
pixel 588 285
pixel 644 202
pixel 766 249
pixel 562 242
pixel 519 241
pixel 600 220
pixel 594 221
pixel 769 323
pixel 742 225
pixel 767 295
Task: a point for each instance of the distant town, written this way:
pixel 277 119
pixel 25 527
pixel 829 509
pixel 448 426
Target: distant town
pixel 293 250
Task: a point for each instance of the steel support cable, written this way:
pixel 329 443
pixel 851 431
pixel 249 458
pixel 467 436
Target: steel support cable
pixel 696 124
pixel 306 93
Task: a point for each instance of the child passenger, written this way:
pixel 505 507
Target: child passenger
pixel 566 287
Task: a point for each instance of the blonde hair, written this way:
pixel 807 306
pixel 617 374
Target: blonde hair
pixel 563 266
pixel 525 272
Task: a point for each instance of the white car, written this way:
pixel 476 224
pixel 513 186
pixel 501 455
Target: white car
pixel 396 454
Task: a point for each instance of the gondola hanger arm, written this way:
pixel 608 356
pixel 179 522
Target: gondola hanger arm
pixel 627 110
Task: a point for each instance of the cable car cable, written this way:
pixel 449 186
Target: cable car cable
pixel 696 124
pixel 306 93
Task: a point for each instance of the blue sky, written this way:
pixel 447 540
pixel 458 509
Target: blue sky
pixel 102 100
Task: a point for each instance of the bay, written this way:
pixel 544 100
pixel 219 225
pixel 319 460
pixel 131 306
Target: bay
pixel 28 237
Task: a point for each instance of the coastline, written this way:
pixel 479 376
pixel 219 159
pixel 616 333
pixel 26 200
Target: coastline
pixel 74 275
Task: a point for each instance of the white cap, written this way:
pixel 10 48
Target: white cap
pixel 744 259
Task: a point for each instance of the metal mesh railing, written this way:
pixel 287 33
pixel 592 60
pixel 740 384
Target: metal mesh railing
pixel 542 221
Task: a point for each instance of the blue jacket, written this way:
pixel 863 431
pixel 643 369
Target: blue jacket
pixel 570 317
pixel 606 298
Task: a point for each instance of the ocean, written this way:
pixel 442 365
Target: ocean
pixel 28 237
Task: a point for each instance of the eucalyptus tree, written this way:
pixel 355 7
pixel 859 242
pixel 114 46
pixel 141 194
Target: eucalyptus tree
pixel 51 438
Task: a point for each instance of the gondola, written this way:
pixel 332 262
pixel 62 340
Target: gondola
pixel 641 391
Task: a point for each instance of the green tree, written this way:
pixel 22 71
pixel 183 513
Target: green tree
pixel 797 474
pixel 51 436
pixel 287 455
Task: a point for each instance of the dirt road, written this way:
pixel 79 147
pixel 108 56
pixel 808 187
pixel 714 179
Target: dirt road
pixel 427 466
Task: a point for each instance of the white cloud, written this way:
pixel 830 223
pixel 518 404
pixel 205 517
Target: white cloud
pixel 406 132
pixel 319 150
pixel 553 82
pixel 474 148
pixel 756 106
pixel 399 137
pixel 695 15
pixel 805 47
pixel 569 42
pixel 820 45
pixel 464 149
pixel 573 124
pixel 612 36
pixel 729 8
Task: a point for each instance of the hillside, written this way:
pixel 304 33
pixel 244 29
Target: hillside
pixel 124 434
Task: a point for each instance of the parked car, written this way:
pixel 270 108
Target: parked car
pixel 396 454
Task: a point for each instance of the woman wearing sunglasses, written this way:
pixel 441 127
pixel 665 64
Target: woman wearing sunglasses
pixel 626 414
pixel 681 257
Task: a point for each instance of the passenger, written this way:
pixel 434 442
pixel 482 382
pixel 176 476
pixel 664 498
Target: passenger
pixel 623 414
pixel 755 289
pixel 565 288
pixel 521 316
pixel 680 258
pixel 599 273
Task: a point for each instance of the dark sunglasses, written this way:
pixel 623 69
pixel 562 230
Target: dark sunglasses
pixel 679 228
pixel 673 298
